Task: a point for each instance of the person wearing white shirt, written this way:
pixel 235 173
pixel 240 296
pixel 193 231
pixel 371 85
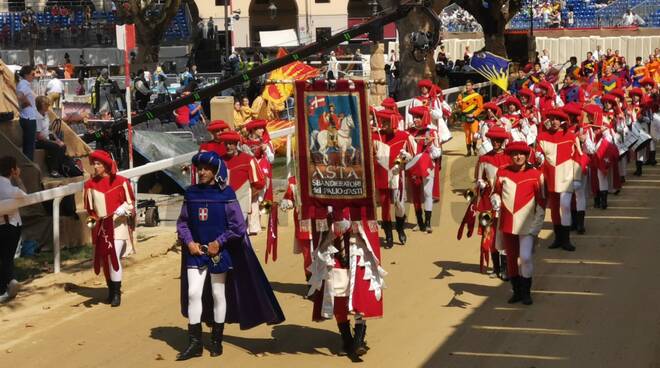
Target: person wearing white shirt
pixel 55 148
pixel 544 60
pixel 54 91
pixel 28 114
pixel 10 227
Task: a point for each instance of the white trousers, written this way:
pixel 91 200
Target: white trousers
pixel 603 180
pixel 196 278
pixel 428 193
pixel 254 219
pixel 565 208
pixel 581 195
pixel 526 250
pixel 120 246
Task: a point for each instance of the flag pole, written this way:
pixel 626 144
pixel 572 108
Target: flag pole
pixel 127 70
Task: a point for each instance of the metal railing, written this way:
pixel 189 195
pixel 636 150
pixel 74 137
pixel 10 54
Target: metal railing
pixel 646 10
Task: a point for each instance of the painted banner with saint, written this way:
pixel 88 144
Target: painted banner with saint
pixel 334 165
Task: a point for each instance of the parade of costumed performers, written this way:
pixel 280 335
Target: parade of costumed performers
pixel 110 203
pixel 469 105
pixel 259 144
pixel 221 278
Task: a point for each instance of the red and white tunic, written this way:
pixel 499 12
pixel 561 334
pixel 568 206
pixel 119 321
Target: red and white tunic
pixel 213 146
pixel 245 178
pixel 388 148
pixel 487 168
pixel 264 160
pixel 103 195
pixel 562 155
pixel 523 200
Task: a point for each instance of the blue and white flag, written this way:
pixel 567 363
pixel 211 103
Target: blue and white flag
pixel 492 67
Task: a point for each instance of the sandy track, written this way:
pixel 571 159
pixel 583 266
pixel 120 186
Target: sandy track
pixel 597 307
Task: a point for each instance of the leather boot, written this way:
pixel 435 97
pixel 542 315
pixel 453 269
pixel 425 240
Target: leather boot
pixel 495 257
pixel 566 239
pixel 597 200
pixel 580 222
pixel 474 148
pixel 420 220
pixel 195 347
pixel 573 220
pixel 217 333
pixel 359 347
pixel 389 239
pixel 400 223
pixel 526 288
pixel 469 150
pixel 504 276
pixel 346 338
pixel 517 290
pixel 557 242
pixel 116 295
pixel 111 291
pixel 427 223
pixel 603 199
pixel 638 168
pixel 651 160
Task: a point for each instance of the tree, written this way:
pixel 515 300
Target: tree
pixel 493 20
pixel 412 71
pixel 151 19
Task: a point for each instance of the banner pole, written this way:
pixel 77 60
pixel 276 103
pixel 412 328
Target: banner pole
pixel 127 71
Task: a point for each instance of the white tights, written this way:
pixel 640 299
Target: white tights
pixel 565 199
pixel 428 193
pixel 526 250
pixel 119 250
pixel 603 181
pixel 581 195
pixel 196 278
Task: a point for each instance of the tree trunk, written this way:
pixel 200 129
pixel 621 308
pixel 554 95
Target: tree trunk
pixel 495 43
pixel 493 20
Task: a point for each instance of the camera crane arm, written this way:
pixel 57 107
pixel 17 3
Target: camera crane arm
pixel 301 53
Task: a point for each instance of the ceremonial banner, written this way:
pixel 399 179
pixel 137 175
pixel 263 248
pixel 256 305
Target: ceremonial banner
pixel 335 161
pixel 492 67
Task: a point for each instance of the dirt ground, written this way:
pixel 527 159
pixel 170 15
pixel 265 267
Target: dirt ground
pixel 595 307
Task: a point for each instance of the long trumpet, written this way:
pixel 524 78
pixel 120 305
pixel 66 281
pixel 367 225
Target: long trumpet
pixel 265 206
pixel 469 194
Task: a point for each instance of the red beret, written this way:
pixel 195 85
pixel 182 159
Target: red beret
pixel 513 100
pixel 216 125
pixel 609 98
pixel 636 92
pixel 527 92
pixel 572 108
pixel 557 113
pixel 619 92
pixel 104 158
pixel 519 146
pixel 545 85
pixel 230 137
pixel 389 103
pixel 425 83
pixel 647 81
pixel 256 124
pixel 384 115
pixel 492 106
pixel 593 109
pixel 419 111
pixel 528 68
pixel 497 132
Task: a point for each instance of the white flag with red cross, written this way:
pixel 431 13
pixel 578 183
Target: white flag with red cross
pixel 126 37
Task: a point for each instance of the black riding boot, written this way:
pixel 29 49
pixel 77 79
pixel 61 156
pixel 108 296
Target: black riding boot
pixel 389 239
pixel 116 294
pixel 427 223
pixel 517 290
pixel 557 242
pixel 566 239
pixel 651 160
pixel 420 220
pixel 504 276
pixel 359 347
pixel 346 338
pixel 111 291
pixel 495 257
pixel 597 200
pixel 474 148
pixel 573 220
pixel 469 150
pixel 638 168
pixel 195 347
pixel 580 222
pixel 400 223
pixel 526 288
pixel 217 333
pixel 603 199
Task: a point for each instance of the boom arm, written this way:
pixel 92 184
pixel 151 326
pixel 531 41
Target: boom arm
pixel 301 53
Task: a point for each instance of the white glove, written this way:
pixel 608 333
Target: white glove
pixel 406 156
pixel 476 136
pixel 435 152
pixel 481 183
pixel 540 159
pixel 121 211
pixel 496 201
pixel 286 204
pixel 577 185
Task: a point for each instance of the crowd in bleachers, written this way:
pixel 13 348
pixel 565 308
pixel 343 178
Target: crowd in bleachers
pixel 457 19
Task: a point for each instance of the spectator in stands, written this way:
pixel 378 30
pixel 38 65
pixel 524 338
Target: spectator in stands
pixel 186 77
pixel 544 60
pixel 10 227
pixel 28 113
pixel 196 113
pixel 394 85
pixel 596 54
pixel 570 18
pixel 632 19
pixel 182 113
pixel 467 55
pixel 55 148
pixel 80 88
pixel 69 70
pixel 210 29
pixel 54 90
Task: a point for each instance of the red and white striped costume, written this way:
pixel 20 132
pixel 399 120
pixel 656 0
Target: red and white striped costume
pixel 245 178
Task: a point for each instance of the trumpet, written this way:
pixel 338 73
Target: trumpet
pixel 265 205
pixel 185 169
pixel 486 219
pixel 469 195
pixel 91 222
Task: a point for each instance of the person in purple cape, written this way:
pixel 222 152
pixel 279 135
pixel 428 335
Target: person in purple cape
pixel 221 278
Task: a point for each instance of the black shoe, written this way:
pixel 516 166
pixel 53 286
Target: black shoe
pixel 557 242
pixel 346 338
pixel 427 223
pixel 111 291
pixel 566 239
pixel 389 239
pixel 603 199
pixel 420 220
pixel 359 347
pixel 573 220
pixel 638 168
pixel 580 222
pixel 526 288
pixel 116 294
pixel 217 332
pixel 400 223
pixel 517 290
pixel 195 347
pixel 504 275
